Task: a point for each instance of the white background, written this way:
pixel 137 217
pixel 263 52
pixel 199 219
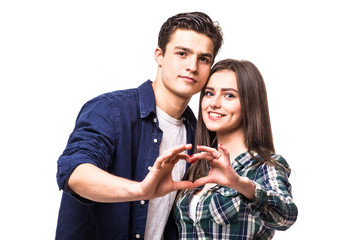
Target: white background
pixel 56 55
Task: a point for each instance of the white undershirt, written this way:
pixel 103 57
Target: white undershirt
pixel 192 206
pixel 174 134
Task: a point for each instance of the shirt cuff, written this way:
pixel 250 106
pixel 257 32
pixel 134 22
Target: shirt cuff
pixel 66 166
pixel 257 205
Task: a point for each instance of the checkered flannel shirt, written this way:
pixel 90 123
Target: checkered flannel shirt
pixel 223 213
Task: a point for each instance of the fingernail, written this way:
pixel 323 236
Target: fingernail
pixel 191 156
pixel 220 145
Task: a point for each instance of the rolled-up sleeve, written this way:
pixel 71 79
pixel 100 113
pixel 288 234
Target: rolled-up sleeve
pixel 92 140
pixel 273 202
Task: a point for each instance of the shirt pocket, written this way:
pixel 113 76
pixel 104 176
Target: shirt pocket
pixel 224 206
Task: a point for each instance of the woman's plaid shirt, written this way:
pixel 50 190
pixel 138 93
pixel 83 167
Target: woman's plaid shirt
pixel 223 213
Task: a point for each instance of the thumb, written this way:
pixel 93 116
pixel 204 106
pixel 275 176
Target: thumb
pixel 202 181
pixel 225 152
pixel 182 185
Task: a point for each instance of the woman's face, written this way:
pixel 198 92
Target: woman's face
pixel 220 106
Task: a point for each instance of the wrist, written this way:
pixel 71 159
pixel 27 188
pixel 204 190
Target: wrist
pixel 138 191
pixel 246 187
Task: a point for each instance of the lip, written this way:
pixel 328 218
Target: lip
pixel 188 79
pixel 215 115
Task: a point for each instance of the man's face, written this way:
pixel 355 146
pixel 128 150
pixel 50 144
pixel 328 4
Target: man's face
pixel 186 64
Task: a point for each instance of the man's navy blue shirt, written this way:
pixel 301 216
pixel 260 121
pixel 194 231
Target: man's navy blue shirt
pixel 119 133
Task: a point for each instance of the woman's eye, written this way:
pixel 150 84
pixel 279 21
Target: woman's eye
pixel 207 93
pixel 229 95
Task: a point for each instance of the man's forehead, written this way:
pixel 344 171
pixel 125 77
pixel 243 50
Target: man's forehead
pixel 191 41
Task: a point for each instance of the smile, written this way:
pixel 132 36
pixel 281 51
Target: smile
pixel 215 115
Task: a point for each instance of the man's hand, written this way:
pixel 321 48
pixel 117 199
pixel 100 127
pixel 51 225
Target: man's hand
pixel 95 184
pixel 159 180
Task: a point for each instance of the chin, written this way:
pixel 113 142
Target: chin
pixel 213 128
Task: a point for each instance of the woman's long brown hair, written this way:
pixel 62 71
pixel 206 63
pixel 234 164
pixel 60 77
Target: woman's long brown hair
pixel 258 136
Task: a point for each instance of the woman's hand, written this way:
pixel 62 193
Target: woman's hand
pixel 159 180
pixel 222 172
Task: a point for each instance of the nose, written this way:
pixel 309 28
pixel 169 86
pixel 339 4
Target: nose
pixel 215 102
pixel 192 64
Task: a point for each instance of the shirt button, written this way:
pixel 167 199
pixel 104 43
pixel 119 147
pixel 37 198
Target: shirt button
pixel 155 140
pixel 155 120
pixel 149 168
pixel 137 235
pixel 142 202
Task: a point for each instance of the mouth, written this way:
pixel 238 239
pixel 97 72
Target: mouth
pixel 215 116
pixel 188 79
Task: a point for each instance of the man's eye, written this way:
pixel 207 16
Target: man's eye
pixel 181 54
pixel 204 59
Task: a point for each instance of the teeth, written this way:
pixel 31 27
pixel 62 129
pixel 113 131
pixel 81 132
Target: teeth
pixel 215 115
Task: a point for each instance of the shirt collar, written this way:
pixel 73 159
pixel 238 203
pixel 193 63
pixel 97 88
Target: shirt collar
pixel 148 105
pixel 244 160
pixel 146 99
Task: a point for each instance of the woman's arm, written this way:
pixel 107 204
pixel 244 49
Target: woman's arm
pixel 273 201
pixel 268 196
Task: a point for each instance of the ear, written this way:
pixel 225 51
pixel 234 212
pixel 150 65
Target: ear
pixel 158 56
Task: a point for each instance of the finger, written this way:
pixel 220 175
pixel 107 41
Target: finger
pixel 197 156
pixel 209 157
pixel 202 181
pixel 182 185
pixel 205 148
pixel 224 151
pixel 163 158
pixel 193 159
pixel 200 155
pixel 167 155
pixel 185 156
pixel 181 148
pixel 212 151
pixel 177 157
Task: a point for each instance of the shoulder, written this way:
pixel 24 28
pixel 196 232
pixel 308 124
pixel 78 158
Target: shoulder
pixel 276 164
pixel 280 159
pixel 279 165
pixel 119 96
pixel 126 98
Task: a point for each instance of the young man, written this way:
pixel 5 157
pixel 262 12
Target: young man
pixel 108 170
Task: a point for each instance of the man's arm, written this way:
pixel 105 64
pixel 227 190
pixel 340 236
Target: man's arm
pixel 95 184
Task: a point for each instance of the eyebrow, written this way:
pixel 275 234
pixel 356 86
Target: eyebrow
pixel 185 49
pixel 223 89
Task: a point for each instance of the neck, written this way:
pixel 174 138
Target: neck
pixel 167 101
pixel 233 141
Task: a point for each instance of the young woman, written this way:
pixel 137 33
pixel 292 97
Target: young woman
pixel 245 192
